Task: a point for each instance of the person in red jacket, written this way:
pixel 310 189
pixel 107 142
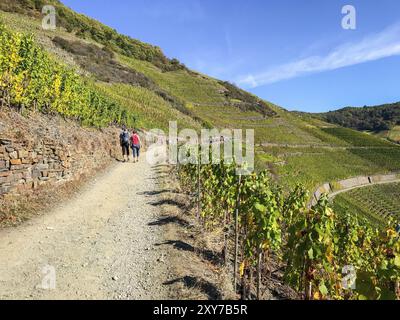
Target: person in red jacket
pixel 135 144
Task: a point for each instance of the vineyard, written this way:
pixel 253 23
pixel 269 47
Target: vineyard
pixel 314 244
pixel 356 138
pixel 154 111
pixel 264 216
pixel 379 203
pixel 308 150
pixel 31 80
pixel 87 28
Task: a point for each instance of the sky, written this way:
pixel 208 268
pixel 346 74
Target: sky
pixel 294 53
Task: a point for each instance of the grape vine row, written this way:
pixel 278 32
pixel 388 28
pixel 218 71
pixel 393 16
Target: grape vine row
pixel 31 79
pixel 313 243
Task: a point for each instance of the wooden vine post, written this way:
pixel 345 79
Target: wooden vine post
pixel 259 271
pixel 199 184
pixel 177 153
pixel 226 235
pixel 237 233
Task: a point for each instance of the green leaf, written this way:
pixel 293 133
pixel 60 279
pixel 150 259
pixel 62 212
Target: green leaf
pixel 397 260
pixel 311 254
pixel 259 207
pixel 323 289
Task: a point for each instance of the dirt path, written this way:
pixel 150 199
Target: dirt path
pixel 101 244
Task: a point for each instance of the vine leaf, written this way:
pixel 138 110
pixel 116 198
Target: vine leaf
pixel 311 253
pixel 323 289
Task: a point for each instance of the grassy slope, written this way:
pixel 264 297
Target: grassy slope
pixel 301 148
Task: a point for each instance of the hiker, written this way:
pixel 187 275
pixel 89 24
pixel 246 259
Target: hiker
pixel 135 143
pixel 124 141
pixel 398 228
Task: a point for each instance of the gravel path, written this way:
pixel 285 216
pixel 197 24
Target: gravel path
pixel 98 245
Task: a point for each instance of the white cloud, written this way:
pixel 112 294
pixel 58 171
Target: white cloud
pixel 373 47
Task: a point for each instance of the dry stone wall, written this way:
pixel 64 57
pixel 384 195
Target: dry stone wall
pixel 39 151
pixel 348 184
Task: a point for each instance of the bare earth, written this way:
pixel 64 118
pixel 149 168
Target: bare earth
pixel 100 244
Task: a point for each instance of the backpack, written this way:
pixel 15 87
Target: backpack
pixel 125 137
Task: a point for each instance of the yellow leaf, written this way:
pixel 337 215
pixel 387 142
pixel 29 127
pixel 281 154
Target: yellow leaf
pixel 241 269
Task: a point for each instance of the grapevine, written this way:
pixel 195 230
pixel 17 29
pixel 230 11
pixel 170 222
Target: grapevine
pixel 313 243
pixel 31 80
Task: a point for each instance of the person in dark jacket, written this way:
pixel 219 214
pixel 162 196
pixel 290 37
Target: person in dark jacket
pixel 124 139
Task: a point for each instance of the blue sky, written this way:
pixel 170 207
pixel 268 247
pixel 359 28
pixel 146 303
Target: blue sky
pixel 294 53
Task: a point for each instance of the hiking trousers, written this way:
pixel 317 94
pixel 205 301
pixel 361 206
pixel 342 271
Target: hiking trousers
pixel 135 150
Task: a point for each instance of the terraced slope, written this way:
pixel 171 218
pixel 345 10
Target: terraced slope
pixel 297 148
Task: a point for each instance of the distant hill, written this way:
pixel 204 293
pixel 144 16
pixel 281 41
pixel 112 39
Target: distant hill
pixel 383 120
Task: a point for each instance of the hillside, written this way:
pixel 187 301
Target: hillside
pixel 138 78
pixel 383 120
pixel 194 231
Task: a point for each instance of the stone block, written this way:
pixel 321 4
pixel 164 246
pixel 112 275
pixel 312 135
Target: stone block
pixel 22 154
pixel 42 166
pixel 5 173
pixel 5 142
pixel 13 155
pixel 15 177
pixel 17 168
pixel 4 189
pixel 15 161
pixel 36 173
pixel 3 180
